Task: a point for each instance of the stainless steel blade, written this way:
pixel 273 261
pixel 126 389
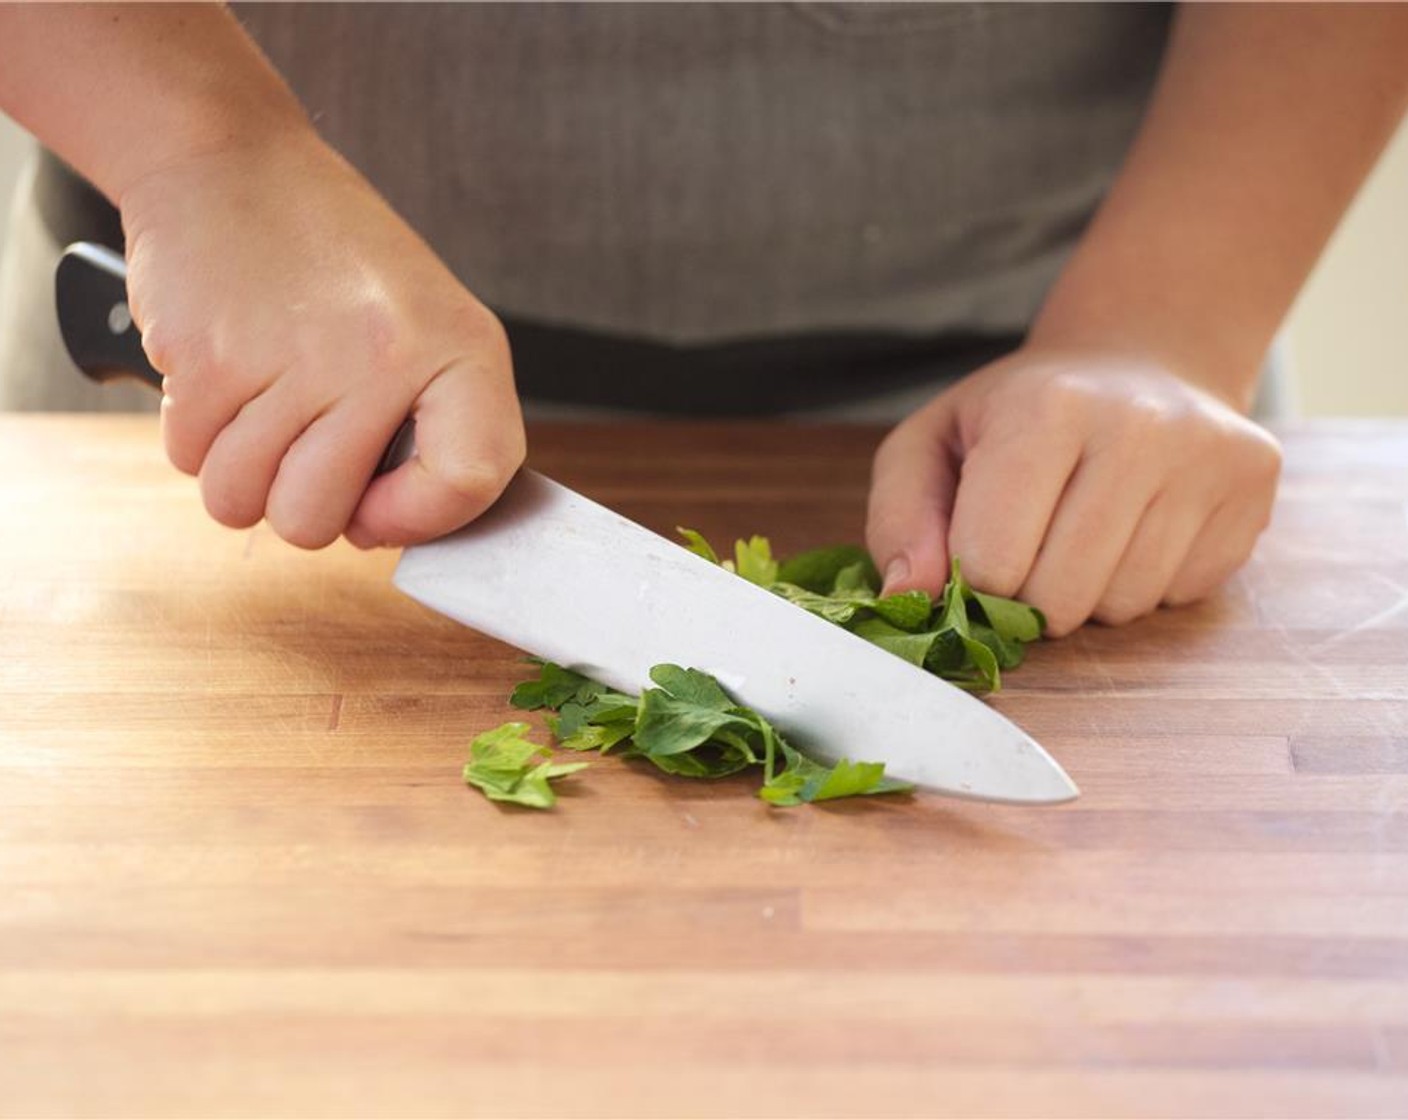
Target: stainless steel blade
pixel 568 580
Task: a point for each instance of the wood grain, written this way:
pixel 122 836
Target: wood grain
pixel 239 874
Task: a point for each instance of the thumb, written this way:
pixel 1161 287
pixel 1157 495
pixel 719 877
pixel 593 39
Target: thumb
pixel 469 443
pixel 912 485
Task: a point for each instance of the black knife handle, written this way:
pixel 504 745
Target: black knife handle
pixel 90 290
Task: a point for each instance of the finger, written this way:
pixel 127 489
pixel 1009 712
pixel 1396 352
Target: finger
pixel 325 471
pixel 1221 547
pixel 469 443
pixel 1155 553
pixel 200 399
pixel 1090 531
pixel 194 410
pixel 239 469
pixel 1008 493
pixel 911 493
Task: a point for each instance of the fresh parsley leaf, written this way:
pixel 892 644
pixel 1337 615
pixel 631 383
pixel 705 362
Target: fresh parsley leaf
pixel 753 561
pixel 914 648
pixel 1009 652
pixel 697 544
pixel 1011 620
pixel 508 766
pixel 687 710
pixel 817 569
pixel 805 780
pixel 839 611
pixel 594 737
pixel 984 661
pixel 967 637
pixel 709 760
pixel 553 687
pixel 692 687
pixel 909 610
pixel 853 581
pixel 688 725
pixel 953 613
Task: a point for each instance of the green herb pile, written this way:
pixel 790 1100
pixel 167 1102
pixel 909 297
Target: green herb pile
pixel 687 725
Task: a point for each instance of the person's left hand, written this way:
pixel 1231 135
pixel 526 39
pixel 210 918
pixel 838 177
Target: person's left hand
pixel 1088 484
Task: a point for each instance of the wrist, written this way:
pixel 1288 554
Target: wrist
pixel 209 123
pixel 1218 357
pixel 122 90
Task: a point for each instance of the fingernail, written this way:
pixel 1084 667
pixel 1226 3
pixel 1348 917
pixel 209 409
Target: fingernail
pixel 896 571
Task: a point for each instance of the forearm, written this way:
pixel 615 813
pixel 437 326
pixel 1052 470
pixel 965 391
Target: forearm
pixel 1264 122
pixel 121 90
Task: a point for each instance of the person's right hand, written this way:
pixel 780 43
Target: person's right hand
pixel 298 321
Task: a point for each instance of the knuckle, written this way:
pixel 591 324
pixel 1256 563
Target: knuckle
pixel 474 325
pixel 1063 395
pixel 478 477
pixel 1266 461
pixel 162 347
pixel 488 334
pixel 379 332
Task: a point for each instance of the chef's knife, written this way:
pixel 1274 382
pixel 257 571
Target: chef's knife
pixel 568 580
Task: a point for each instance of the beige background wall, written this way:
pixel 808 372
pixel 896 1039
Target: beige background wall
pixel 1347 335
pixel 1348 332
pixel 14 143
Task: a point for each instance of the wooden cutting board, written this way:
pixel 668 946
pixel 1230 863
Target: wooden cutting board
pixel 239 873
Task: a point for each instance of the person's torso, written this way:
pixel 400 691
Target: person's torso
pixel 703 172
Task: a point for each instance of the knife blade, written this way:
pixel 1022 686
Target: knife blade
pixel 566 579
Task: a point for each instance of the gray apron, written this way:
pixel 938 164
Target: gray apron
pixel 736 207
